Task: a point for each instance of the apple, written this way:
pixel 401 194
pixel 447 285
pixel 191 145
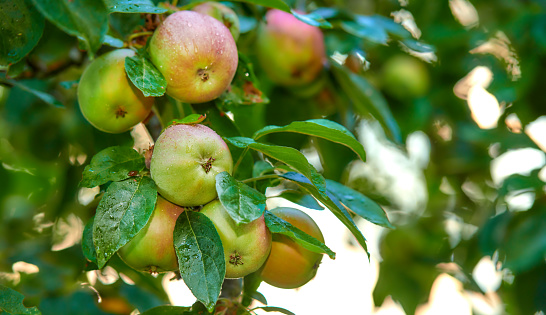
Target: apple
pixel 289 264
pixel 107 98
pixel 246 246
pixel 223 14
pixel 152 249
pixel 196 54
pixel 405 77
pixel 290 51
pixel 185 162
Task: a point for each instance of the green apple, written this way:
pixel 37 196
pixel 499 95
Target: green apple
pixel 223 14
pixel 405 77
pixel 152 249
pixel 196 54
pixel 246 246
pixel 290 51
pixel 185 162
pixel 107 98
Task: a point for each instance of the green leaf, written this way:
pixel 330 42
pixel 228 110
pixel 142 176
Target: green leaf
pixel 418 46
pixel 111 164
pixel 273 309
pixel 312 19
pixel 123 211
pixel 275 4
pixel 145 75
pixel 304 200
pixel 243 203
pixel 191 119
pixel 366 99
pixel 373 34
pixel 45 97
pixel 322 128
pixel 200 256
pixel 359 204
pixel 332 203
pixel 280 226
pixel 85 19
pixel 168 310
pixel 88 247
pixel 21 27
pixel 244 88
pixel 11 302
pixel 112 41
pixel 287 155
pixel 133 6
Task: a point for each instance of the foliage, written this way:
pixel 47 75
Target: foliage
pixel 59 174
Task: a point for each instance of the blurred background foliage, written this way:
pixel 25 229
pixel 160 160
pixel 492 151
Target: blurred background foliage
pixel 439 173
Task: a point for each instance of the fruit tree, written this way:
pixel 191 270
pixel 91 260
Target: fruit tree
pixel 283 156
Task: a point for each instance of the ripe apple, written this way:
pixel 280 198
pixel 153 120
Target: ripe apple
pixel 289 265
pixel 107 98
pixel 196 54
pixel 405 77
pixel 185 162
pixel 152 249
pixel 223 14
pixel 290 51
pixel 246 246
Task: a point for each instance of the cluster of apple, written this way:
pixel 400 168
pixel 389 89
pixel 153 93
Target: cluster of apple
pixel 196 53
pixel 184 165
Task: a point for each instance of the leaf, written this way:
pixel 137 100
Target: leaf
pixel 280 226
pixel 275 4
pixel 418 46
pixel 85 19
pixel 200 256
pixel 45 97
pixel 366 99
pixel 112 41
pixel 373 34
pixel 243 203
pixel 88 247
pixel 21 27
pixel 133 6
pixel 251 282
pixel 111 164
pixel 312 19
pixel 332 203
pixel 168 310
pixel 191 119
pixel 287 155
pixel 273 309
pixel 322 128
pixel 304 200
pixel 359 204
pixel 123 211
pixel 244 88
pixel 11 302
pixel 145 75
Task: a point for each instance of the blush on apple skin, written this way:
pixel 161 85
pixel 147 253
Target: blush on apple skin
pixel 196 54
pixel 290 51
pixel 185 162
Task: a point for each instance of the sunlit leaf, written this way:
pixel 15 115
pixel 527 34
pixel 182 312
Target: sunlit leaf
pixel 145 75
pixel 322 128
